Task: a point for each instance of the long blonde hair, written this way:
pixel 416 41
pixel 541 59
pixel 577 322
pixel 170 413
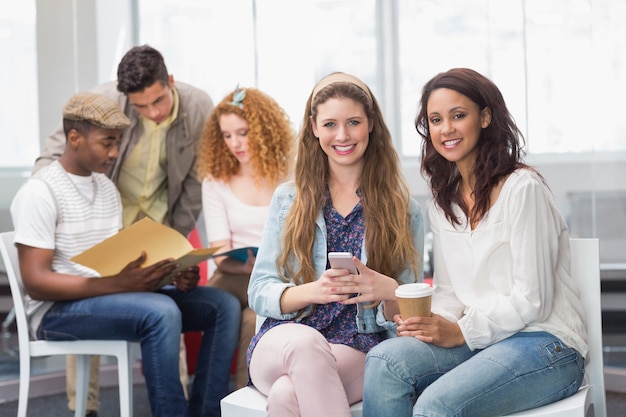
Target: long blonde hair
pixel 384 194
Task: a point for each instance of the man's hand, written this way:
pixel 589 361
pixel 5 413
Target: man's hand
pixel 135 278
pixel 188 279
pixel 42 283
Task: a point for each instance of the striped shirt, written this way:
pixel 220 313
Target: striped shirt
pixel 54 210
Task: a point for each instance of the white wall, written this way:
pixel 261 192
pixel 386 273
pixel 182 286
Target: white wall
pixel 77 40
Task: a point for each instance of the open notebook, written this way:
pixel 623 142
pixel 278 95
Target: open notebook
pixel 240 254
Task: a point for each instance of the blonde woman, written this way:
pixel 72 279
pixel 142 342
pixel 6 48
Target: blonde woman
pixel 506 333
pixel 348 196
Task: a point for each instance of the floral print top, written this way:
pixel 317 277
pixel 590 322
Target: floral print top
pixel 335 321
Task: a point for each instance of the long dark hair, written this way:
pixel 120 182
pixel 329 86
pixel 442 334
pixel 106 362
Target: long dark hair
pixel 499 150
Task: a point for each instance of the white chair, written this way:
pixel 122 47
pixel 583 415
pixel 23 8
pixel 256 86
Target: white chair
pixel 83 349
pixel 590 400
pixel 249 402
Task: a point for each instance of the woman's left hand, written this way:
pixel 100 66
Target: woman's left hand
pixel 188 279
pixel 370 285
pixel 434 329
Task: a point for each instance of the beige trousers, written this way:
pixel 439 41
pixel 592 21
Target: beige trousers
pixel 93 395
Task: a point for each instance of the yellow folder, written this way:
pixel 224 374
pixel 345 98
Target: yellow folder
pixel 159 242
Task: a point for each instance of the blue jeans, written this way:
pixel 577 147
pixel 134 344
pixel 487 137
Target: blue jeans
pixel 406 377
pixel 156 320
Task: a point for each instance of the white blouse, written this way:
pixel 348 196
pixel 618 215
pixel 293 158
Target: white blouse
pixel 512 272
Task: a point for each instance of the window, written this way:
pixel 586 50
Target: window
pixel 556 62
pixel 478 34
pixel 19 113
pixel 279 46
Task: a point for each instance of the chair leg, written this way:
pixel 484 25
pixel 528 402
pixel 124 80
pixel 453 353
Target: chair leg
pixel 82 384
pixel 22 405
pixel 125 377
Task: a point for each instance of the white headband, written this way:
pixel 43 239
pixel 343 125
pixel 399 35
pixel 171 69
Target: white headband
pixel 339 77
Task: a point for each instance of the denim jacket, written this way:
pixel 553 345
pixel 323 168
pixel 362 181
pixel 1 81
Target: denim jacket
pixel 266 287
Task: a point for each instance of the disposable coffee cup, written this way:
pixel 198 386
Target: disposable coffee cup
pixel 414 299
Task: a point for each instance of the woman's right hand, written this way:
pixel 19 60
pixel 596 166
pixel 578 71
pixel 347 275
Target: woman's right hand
pixel 249 264
pixel 334 285
pixel 434 329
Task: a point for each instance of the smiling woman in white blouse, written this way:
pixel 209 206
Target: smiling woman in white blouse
pixel 506 330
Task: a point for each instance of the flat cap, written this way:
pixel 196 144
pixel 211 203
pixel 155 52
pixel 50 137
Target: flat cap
pixel 96 109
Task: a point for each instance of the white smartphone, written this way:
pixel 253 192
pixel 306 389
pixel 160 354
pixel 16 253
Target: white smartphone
pixel 342 260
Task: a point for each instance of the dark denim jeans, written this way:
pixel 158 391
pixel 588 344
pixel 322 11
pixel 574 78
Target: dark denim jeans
pixel 156 320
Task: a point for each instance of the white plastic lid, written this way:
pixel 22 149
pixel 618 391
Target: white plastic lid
pixel 414 290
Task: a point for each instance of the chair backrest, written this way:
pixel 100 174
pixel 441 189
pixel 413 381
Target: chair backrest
pixel 11 263
pixel 586 273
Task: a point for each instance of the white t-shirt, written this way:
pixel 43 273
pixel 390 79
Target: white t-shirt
pixel 65 213
pixel 511 273
pixel 227 218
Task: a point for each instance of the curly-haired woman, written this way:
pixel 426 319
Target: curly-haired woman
pixel 245 152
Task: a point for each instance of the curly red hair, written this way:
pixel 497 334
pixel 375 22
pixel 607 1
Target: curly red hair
pixel 270 139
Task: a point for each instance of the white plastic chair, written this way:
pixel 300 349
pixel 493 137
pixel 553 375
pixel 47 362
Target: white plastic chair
pixel 83 349
pixel 590 400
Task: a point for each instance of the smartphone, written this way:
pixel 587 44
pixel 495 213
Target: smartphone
pixel 342 260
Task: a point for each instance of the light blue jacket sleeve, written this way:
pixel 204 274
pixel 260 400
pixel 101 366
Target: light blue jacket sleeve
pixel 266 287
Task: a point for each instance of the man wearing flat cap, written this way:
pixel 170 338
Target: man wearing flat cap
pixel 71 205
pixel 155 171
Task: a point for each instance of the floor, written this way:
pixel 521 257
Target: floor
pixel 51 402
pixel 55 405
